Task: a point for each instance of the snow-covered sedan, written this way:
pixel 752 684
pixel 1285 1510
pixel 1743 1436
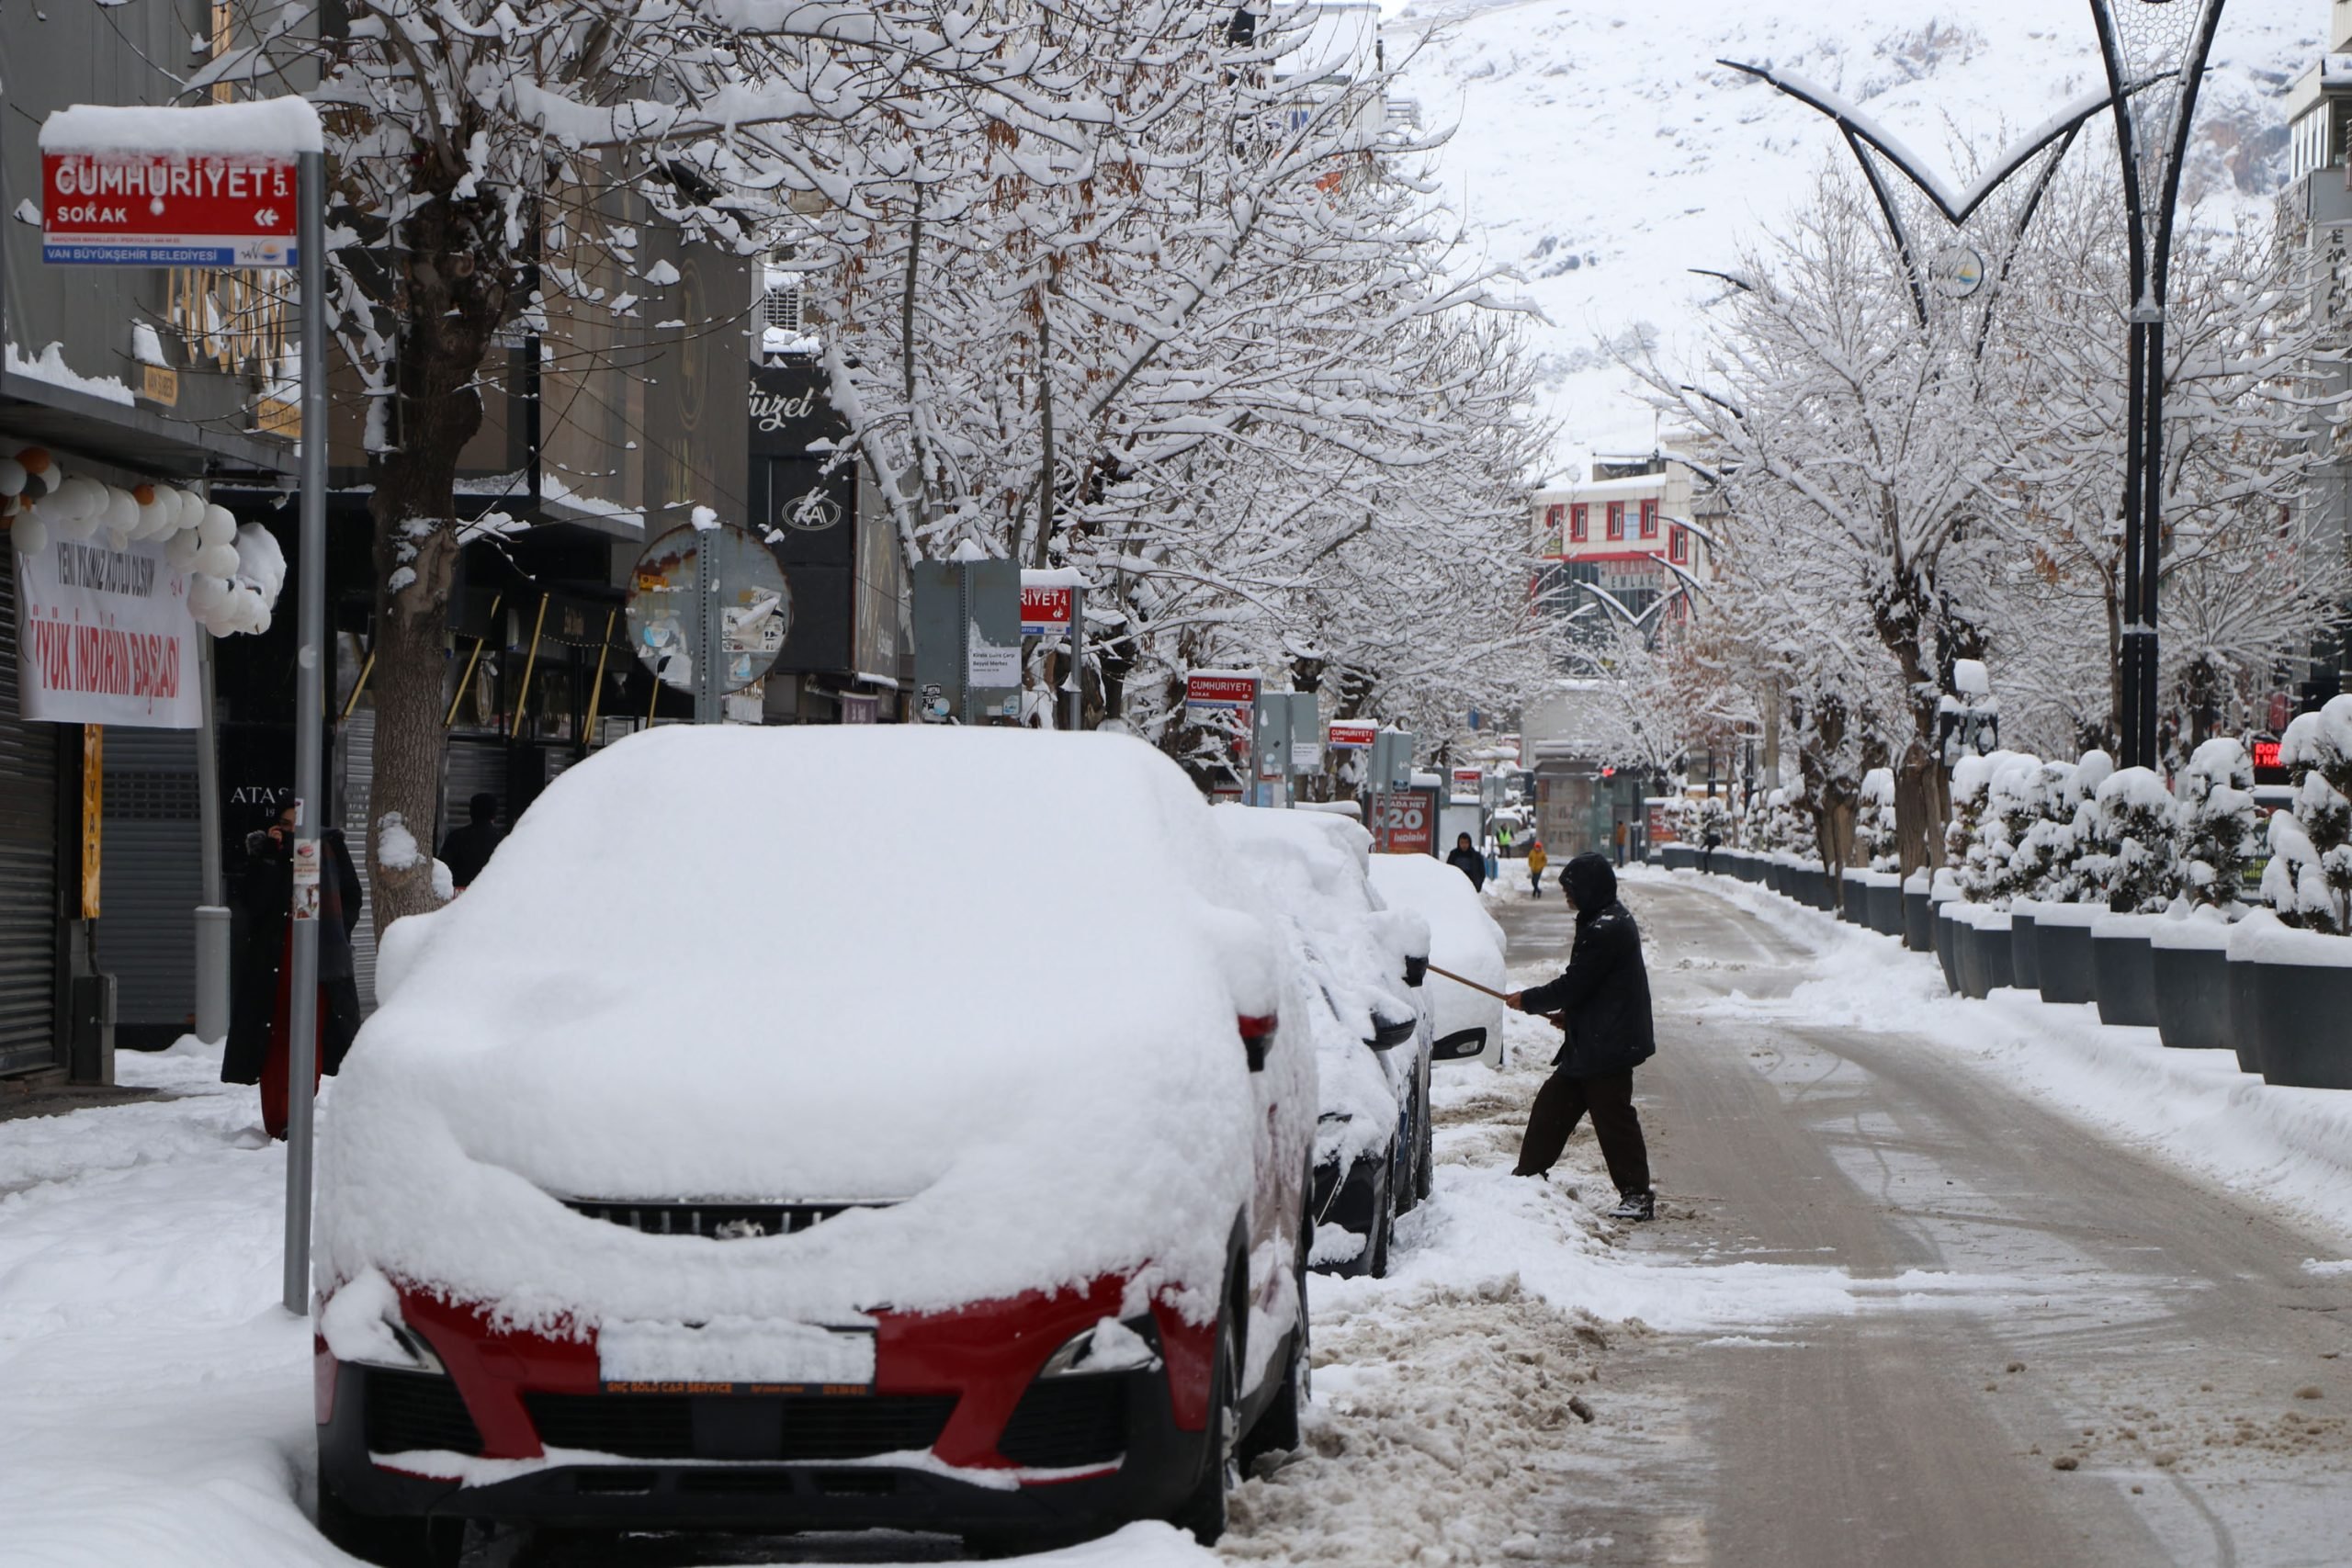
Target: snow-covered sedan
pixel 1464 940
pixel 1370 1027
pixel 717 1162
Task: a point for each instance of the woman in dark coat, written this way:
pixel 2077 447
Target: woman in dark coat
pixel 1468 861
pixel 259 1007
pixel 1603 1004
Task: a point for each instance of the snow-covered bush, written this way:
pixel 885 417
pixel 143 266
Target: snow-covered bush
pixel 2308 880
pixel 2215 835
pixel 1967 855
pixel 2012 810
pixel 2043 863
pixel 1875 844
pixel 2134 842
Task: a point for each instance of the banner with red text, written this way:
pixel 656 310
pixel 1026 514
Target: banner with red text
pixel 104 636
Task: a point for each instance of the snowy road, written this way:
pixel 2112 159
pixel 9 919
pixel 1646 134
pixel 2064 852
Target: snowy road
pixel 1906 1305
pixel 2117 1363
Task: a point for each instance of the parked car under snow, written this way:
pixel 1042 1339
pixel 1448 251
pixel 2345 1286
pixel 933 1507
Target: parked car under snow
pixel 721 1163
pixel 1371 1026
pixel 1464 940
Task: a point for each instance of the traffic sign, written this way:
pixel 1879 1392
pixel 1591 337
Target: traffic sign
pixel 743 609
pixel 1231 690
pixel 1348 734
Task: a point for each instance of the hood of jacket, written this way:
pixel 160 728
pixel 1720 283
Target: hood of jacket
pixel 1592 883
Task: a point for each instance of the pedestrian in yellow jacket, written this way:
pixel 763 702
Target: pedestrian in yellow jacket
pixel 1536 862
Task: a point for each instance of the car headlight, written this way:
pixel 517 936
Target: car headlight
pixel 1110 1346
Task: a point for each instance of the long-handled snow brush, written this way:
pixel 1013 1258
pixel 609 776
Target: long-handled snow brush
pixel 1459 980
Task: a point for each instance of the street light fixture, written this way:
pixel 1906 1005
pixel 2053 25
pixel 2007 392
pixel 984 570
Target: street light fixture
pixel 2159 47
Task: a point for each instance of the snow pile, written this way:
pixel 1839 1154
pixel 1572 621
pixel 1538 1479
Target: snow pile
pixel 2216 838
pixel 723 1001
pixel 1312 867
pixel 2309 879
pixel 1874 835
pixel 285 125
pixel 1463 937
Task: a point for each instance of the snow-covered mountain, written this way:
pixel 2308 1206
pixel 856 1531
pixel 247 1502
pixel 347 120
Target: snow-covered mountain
pixel 1602 152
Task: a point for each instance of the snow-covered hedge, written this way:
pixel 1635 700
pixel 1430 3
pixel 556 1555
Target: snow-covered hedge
pixel 1875 844
pixel 2308 880
pixel 2012 810
pixel 2134 842
pixel 1968 851
pixel 2215 834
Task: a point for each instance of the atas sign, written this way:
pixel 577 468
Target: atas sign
pixel 164 208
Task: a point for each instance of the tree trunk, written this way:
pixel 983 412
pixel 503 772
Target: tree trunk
pixel 455 298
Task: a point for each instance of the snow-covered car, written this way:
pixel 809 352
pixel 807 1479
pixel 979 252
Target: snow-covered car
pixel 1464 939
pixel 719 1162
pixel 1370 1027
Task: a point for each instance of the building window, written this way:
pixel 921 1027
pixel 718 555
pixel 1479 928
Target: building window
pixel 1649 520
pixel 1553 518
pixel 1677 545
pixel 1580 524
pixel 1616 519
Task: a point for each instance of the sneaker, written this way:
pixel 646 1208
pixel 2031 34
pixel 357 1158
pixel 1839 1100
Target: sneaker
pixel 1635 1206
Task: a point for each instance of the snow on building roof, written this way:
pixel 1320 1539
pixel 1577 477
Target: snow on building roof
pixel 283 125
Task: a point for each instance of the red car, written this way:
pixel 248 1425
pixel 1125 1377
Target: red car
pixel 725 1164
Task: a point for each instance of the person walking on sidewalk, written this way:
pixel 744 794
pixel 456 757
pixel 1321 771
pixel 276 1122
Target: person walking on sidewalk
pixel 1603 1006
pixel 1466 860
pixel 1536 861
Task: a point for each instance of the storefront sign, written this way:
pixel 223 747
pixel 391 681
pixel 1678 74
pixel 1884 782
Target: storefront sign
pixel 160 208
pixel 1466 783
pixel 104 636
pixel 1220 690
pixel 1348 734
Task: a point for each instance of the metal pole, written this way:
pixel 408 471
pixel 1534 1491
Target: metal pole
pixel 1077 658
pixel 310 706
pixel 706 677
pixel 964 640
pixel 2150 544
pixel 2134 438
pixel 212 924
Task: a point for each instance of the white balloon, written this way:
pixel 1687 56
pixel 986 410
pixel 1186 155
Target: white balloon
pixel 218 526
pixel 114 539
pixel 28 534
pixel 80 525
pixel 217 560
pixel 204 597
pixel 180 550
pixel 191 508
pixel 122 511
pixel 156 518
pixel 76 498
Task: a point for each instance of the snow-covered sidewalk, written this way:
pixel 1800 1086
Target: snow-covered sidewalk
pixel 2291 1148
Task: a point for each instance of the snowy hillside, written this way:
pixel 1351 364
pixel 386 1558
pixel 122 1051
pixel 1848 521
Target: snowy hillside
pixel 1602 152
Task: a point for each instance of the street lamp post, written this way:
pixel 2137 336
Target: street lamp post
pixel 2154 51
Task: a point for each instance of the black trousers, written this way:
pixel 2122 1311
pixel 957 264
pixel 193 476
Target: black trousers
pixel 1563 1101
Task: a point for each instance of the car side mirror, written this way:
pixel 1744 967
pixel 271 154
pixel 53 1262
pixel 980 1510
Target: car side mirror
pixel 1387 1034
pixel 1257 1039
pixel 1417 969
pixel 1461 1045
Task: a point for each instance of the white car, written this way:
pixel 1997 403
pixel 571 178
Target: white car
pixel 1463 939
pixel 1371 1029
pixel 730 1157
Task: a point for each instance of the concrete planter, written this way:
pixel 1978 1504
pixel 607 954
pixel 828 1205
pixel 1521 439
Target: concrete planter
pixel 1948 943
pixel 1820 891
pixel 1882 903
pixel 1853 899
pixel 1918 914
pixel 2301 991
pixel 2025 971
pixel 1776 874
pixel 2192 966
pixel 1981 951
pixel 1751 867
pixel 2123 970
pixel 2061 951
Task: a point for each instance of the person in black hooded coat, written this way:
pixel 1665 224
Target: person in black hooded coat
pixel 1602 1003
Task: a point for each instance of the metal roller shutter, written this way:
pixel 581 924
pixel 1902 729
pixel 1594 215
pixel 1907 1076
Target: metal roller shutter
pixel 471 766
pixel 27 866
pixel 150 880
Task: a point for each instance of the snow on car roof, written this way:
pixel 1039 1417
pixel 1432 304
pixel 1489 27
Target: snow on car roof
pixel 721 963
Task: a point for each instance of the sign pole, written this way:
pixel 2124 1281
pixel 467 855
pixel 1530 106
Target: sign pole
pixel 310 704
pixel 1077 658
pixel 708 681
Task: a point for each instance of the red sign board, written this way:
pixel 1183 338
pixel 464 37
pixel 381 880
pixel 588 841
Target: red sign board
pixel 1232 692
pixel 1353 732
pixel 2266 758
pixel 1044 610
pixel 167 208
pixel 1404 822
pixel 1466 784
pixel 1661 825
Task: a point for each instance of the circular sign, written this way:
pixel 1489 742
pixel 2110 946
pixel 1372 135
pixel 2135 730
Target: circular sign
pixel 743 606
pixel 1958 271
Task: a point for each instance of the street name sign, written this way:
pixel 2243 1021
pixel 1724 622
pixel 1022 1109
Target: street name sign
pixel 205 187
